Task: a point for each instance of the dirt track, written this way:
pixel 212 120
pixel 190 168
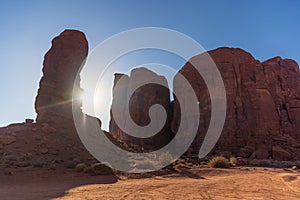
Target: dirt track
pixel 205 183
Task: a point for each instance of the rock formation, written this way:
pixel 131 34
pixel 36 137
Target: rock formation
pixel 263 105
pixel 263 109
pixel 263 100
pixel 139 103
pixel 52 142
pixel 53 103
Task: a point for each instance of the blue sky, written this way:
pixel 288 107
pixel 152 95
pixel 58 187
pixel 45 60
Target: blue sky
pixel 264 28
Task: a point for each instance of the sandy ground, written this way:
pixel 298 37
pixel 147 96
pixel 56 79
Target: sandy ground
pixel 196 183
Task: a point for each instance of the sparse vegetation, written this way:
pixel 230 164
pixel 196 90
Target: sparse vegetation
pixel 233 161
pixel 97 169
pixel 101 169
pixel 125 145
pixel 80 167
pixel 219 162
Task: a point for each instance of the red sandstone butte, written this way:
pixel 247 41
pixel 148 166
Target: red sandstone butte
pixel 263 105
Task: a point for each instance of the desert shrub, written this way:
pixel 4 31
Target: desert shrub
pixel 294 167
pixel 101 169
pixel 233 161
pixel 219 162
pixel 80 167
pixel 125 145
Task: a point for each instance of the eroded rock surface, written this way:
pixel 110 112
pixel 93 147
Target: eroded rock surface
pixel 139 104
pixel 61 64
pixel 263 105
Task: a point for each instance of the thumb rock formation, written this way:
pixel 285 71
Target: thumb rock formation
pixel 62 62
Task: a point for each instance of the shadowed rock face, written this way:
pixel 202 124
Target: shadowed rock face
pixel 52 142
pixel 139 103
pixel 263 105
pixel 53 103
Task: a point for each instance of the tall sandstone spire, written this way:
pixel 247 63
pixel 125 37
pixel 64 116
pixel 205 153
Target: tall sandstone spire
pixel 62 62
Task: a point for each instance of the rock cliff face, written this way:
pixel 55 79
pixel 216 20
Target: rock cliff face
pixel 52 142
pixel 263 100
pixel 263 105
pixel 139 103
pixel 53 103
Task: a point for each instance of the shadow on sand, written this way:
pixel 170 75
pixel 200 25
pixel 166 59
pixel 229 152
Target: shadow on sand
pixel 46 187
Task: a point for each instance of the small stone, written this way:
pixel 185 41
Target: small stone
pixel 46 128
pixel 22 164
pixel 280 154
pixel 29 121
pixel 28 155
pixel 70 164
pixel 10 158
pixel 39 163
pixel 76 160
pixel 52 166
pixel 8 173
pixel 38 138
pixel 44 150
pixel 55 152
pixel 2 165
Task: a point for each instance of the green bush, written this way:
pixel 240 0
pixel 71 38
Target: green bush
pixel 219 162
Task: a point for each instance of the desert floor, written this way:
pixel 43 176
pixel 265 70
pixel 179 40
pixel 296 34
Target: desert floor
pixel 196 183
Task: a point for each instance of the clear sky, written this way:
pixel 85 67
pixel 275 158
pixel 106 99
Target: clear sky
pixel 264 28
